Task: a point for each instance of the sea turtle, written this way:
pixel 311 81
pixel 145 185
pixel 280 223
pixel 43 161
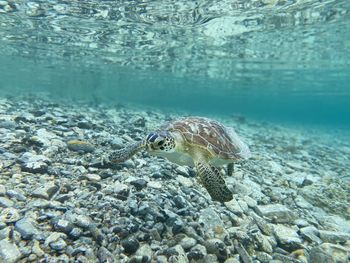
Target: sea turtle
pixel 194 141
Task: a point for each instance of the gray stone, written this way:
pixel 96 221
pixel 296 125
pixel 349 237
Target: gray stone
pixel 262 242
pixel 310 233
pixel 277 213
pixel 82 221
pixel 9 252
pixel 36 249
pixel 334 237
pixel 80 146
pixel 155 184
pixel 17 195
pixel 187 243
pixel 5 202
pixel 45 192
pixel 234 207
pixel 9 215
pixel 104 255
pixel 329 253
pixel 58 245
pixel 145 251
pixel 53 237
pixel 263 257
pixel 211 222
pixel 2 190
pixel 216 246
pixel 184 181
pixel 182 170
pixel 91 177
pixel 33 163
pixel 287 237
pixel 26 228
pixel 180 256
pixel 121 190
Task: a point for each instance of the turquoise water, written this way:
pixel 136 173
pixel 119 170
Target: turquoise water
pixel 284 61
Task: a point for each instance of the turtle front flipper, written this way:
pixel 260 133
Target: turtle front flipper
pixel 211 179
pixel 127 152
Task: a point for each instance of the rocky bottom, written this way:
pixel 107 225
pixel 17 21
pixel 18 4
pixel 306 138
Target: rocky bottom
pixel 58 203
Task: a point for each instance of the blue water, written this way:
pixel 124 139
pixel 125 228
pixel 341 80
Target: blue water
pixel 282 61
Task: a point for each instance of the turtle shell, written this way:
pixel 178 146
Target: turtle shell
pixel 219 140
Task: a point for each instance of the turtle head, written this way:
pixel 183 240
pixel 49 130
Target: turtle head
pixel 160 141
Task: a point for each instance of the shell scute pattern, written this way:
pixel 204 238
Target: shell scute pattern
pixel 205 133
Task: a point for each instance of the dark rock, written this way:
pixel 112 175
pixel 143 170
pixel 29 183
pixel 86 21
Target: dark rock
pixel 26 228
pixel 84 125
pixel 139 184
pixel 34 163
pixel 180 201
pixel 178 227
pixel 62 225
pixel 130 245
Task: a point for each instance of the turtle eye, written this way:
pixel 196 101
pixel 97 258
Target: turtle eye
pixel 160 142
pixel 152 137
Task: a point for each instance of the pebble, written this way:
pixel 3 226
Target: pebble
pixel 2 190
pixel 139 184
pixel 184 181
pixel 33 163
pixel 36 249
pixel 17 195
pixel 62 225
pixel 105 256
pixel 287 237
pixel 26 228
pixel 334 237
pixel 91 177
pixel 187 243
pixel 9 215
pixel 58 245
pixel 45 192
pixel 53 237
pixel 80 146
pixel 276 212
pixel 130 245
pixel 210 222
pixel 155 184
pixel 182 171
pixel 121 190
pixel 145 252
pixel 327 252
pixel 82 221
pixel 311 234
pixel 5 202
pixel 9 252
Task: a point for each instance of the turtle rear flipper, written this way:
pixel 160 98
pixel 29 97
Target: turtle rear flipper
pixel 211 179
pixel 127 152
